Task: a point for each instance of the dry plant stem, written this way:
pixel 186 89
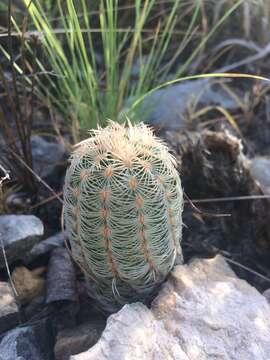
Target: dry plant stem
pixel 28 119
pixel 8 134
pixel 246 268
pixel 39 179
pixel 7 267
pixel 249 60
pixel 240 42
pixel 13 72
pixel 223 254
pixel 200 212
pixel 47 200
pixel 18 141
pixel 230 198
pixel 17 111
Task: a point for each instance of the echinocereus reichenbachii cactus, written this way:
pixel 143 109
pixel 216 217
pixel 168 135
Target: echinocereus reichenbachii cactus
pixel 123 213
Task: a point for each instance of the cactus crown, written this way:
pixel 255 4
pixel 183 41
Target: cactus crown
pixel 123 212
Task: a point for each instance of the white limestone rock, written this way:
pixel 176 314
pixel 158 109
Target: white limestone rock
pixel 202 312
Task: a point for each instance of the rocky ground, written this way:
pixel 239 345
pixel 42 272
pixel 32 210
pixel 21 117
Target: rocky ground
pixel 205 310
pixel 202 312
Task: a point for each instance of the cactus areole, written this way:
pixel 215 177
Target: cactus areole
pixel 123 206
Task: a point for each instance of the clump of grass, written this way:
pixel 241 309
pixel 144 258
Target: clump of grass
pixel 87 90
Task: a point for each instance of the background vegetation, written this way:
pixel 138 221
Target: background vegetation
pixel 90 57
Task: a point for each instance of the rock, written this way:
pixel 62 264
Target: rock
pixel 266 294
pixel 48 157
pixel 260 170
pixel 75 340
pixel 202 312
pixel 134 333
pixel 9 313
pixel 31 342
pixel 61 278
pixel 137 66
pixel 166 108
pixel 28 284
pixel 61 293
pixel 18 233
pixel 18 202
pixel 46 246
pixel 35 307
pixel 88 306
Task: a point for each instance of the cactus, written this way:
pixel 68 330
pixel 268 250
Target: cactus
pixel 123 213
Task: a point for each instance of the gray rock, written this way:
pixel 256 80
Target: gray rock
pixel 9 313
pixel 18 234
pixel 166 108
pixel 47 156
pixel 45 246
pixel 35 307
pixel 137 65
pixel 32 342
pixel 18 202
pixel 80 338
pixel 260 170
pixel 266 294
pixel 61 278
pixel 202 312
pixel 61 293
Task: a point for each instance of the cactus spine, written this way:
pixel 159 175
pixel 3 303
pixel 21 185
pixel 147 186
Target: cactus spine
pixel 123 213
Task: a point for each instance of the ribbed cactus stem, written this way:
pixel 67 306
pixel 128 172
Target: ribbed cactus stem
pixel 123 213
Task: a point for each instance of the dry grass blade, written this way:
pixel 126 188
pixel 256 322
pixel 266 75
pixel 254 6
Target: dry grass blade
pixel 249 60
pixel 246 268
pixel 230 119
pixel 39 179
pixel 201 76
pixel 200 212
pixel 230 198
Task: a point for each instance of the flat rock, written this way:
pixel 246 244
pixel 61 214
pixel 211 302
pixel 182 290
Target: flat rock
pixel 18 234
pixel 202 312
pixel 9 313
pixel 167 107
pixel 77 339
pixel 31 342
pixel 260 169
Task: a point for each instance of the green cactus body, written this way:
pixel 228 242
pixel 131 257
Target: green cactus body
pixel 123 213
